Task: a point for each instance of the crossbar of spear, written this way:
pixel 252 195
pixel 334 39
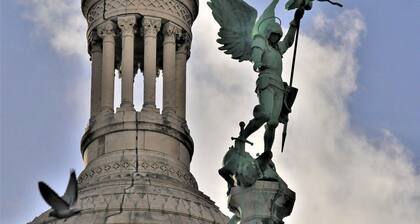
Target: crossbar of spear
pixel 334 3
pixel 293 66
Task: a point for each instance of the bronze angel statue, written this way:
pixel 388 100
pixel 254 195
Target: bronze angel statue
pixel 260 42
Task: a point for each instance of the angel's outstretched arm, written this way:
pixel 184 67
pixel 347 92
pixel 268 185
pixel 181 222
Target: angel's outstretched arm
pixel 288 40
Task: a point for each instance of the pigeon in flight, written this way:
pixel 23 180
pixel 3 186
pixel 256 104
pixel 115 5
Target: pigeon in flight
pixel 62 206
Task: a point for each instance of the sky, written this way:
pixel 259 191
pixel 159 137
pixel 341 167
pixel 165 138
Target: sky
pixel 353 149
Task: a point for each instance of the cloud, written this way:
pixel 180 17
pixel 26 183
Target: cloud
pixel 61 22
pixel 340 175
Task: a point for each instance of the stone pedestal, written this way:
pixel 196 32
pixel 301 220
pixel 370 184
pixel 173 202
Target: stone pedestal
pixel 265 202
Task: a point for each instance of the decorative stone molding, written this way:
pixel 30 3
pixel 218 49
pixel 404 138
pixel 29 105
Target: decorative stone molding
pixel 118 169
pixel 146 202
pixel 184 48
pixel 165 205
pixel 183 44
pixel 95 46
pixel 151 26
pixel 95 12
pixel 127 24
pixel 173 7
pixel 95 42
pixel 171 31
pixel 107 30
pixel 91 174
pixel 177 11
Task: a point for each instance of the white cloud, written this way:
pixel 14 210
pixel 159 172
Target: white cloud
pixel 340 175
pixel 61 21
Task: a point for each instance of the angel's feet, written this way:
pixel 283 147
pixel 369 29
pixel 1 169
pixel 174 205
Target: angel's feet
pixel 264 160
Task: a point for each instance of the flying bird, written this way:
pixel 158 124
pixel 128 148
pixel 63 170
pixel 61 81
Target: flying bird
pixel 62 206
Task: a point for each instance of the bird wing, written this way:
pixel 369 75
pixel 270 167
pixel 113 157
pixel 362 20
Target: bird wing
pixel 236 19
pixel 52 198
pixel 70 196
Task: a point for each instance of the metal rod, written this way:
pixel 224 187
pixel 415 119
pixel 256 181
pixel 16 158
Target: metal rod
pixel 294 54
pixel 333 3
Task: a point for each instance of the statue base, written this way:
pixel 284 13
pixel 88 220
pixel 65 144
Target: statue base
pixel 265 202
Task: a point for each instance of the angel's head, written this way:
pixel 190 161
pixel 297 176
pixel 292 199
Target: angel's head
pixel 273 32
pixel 274 38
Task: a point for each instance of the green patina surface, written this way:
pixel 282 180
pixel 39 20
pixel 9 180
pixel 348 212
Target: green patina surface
pixel 261 42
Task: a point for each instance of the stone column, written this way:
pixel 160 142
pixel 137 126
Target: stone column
pixel 151 27
pixel 127 26
pixel 107 32
pixel 96 58
pixel 170 31
pixel 181 77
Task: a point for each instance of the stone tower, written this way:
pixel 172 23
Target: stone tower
pixel 138 162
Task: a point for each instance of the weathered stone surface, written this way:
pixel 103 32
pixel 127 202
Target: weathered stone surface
pixel 137 162
pixel 264 202
pixel 156 190
pixel 181 12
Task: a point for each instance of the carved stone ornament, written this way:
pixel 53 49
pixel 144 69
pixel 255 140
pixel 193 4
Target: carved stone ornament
pixel 95 43
pixel 151 26
pixel 173 7
pixel 107 29
pixel 183 47
pixel 170 30
pixel 127 24
pixel 107 170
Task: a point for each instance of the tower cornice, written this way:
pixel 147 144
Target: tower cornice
pixel 180 12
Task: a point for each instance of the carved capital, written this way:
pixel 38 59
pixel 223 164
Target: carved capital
pixel 96 47
pixel 170 30
pixel 127 24
pixel 151 26
pixel 95 43
pixel 107 30
pixel 183 44
pixel 183 49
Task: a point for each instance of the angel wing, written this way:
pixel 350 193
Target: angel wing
pixel 236 19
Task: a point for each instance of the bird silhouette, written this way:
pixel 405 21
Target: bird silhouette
pixel 62 206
